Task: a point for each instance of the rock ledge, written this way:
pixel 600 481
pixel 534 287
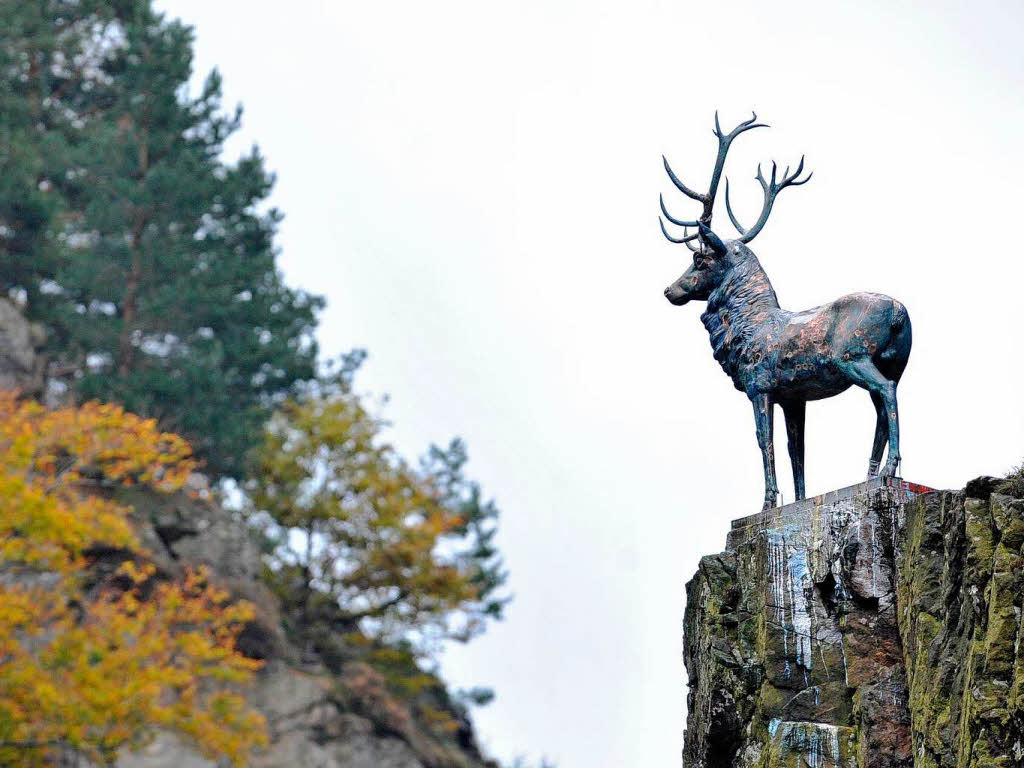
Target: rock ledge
pixel 874 626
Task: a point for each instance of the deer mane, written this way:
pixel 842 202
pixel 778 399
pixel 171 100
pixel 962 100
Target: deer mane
pixel 736 311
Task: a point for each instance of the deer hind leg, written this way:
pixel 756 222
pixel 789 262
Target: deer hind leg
pixel 795 413
pixel 864 373
pixel 763 412
pixel 881 434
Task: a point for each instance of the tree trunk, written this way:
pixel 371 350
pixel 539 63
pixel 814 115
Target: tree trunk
pixel 130 301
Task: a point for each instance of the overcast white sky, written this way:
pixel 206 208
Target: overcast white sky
pixel 473 185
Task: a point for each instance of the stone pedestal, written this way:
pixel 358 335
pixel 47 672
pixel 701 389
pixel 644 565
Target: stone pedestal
pixel 791 639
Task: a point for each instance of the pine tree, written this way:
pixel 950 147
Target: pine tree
pixel 159 283
pixel 49 55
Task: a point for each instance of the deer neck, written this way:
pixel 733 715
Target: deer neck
pixel 742 306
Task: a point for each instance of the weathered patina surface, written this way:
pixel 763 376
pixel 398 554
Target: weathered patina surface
pixel 874 627
pixel 778 357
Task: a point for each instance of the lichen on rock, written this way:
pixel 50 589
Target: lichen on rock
pixel 961 587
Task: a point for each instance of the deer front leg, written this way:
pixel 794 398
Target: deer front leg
pixel 795 413
pixel 763 421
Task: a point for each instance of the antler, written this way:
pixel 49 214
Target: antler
pixel 684 224
pixel 724 141
pixel 770 189
pixel 686 238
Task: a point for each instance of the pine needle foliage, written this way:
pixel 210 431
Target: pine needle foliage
pixel 149 258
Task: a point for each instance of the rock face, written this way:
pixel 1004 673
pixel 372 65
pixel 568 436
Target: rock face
pixel 960 571
pixel 306 728
pixel 344 717
pixel 20 366
pixel 873 627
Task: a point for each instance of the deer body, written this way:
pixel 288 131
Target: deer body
pixel 799 355
pixel 778 357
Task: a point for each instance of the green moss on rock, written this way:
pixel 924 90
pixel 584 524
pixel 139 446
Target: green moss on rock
pixel 870 629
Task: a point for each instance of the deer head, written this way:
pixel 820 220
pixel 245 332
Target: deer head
pixel 713 258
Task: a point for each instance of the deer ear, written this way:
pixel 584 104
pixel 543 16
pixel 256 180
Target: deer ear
pixel 713 241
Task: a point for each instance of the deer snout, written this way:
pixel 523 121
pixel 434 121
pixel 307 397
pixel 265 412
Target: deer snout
pixel 676 295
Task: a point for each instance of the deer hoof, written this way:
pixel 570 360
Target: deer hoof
pixel 890 468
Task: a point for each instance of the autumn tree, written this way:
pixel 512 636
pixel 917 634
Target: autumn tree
pixel 93 666
pixel 361 537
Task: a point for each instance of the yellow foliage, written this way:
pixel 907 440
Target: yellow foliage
pixel 373 530
pixel 95 669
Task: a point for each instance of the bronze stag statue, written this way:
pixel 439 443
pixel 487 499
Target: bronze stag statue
pixel 773 355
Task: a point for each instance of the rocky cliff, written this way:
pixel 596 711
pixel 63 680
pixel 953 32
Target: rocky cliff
pixel 21 367
pixel 324 711
pixel 874 627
